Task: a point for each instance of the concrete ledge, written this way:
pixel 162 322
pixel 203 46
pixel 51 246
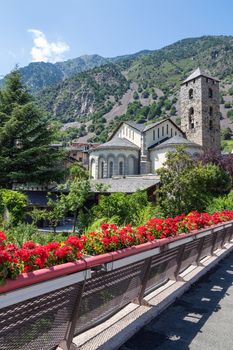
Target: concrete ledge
pixel 114 332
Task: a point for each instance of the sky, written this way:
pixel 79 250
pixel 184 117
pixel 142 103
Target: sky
pixel 55 30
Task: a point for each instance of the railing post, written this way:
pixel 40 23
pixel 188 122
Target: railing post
pixel 200 246
pixel 67 344
pixel 215 234
pixel 139 300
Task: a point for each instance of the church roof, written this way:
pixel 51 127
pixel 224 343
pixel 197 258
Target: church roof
pixel 197 73
pixel 139 127
pixel 175 141
pixel 117 142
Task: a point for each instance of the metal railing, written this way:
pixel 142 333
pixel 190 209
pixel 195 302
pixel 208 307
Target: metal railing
pixel 47 314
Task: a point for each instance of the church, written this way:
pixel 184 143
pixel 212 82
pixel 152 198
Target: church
pixel 137 149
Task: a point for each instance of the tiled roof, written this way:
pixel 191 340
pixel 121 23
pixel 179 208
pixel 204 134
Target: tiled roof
pixel 197 73
pixel 117 142
pixel 129 184
pixel 177 140
pixel 139 127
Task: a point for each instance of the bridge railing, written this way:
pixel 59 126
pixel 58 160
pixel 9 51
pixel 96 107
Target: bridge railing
pixel 47 308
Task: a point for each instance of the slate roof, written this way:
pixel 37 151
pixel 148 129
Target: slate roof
pixel 177 140
pixel 117 142
pixel 128 184
pixel 197 73
pixel 139 127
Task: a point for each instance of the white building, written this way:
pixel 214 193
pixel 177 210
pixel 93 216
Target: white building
pixel 135 149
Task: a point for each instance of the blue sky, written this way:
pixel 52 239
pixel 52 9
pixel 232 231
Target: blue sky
pixel 51 30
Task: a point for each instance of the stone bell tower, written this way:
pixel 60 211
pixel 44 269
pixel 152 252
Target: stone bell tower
pixel 200 111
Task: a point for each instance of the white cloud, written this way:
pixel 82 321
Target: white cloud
pixel 46 51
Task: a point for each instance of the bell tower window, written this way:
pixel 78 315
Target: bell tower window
pixel 211 111
pixel 210 93
pixel 190 94
pixel 191 118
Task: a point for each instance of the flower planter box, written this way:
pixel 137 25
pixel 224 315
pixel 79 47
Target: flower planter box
pixel 42 309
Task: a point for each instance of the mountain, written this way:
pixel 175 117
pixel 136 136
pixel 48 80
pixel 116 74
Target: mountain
pixel 96 93
pixel 40 75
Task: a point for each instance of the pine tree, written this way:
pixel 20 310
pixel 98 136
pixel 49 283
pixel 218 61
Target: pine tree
pixel 25 138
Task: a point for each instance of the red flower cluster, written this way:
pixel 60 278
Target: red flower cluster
pixel 15 260
pixel 31 256
pixel 110 237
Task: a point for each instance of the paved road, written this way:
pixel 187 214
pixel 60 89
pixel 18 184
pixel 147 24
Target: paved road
pixel 202 319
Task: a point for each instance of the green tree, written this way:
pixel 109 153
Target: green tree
pixel 226 133
pixel 78 187
pixel 187 186
pixel 25 138
pixel 14 205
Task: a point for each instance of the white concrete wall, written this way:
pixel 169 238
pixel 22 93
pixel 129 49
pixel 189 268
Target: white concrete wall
pixel 166 129
pixel 116 156
pixel 129 133
pixel 158 156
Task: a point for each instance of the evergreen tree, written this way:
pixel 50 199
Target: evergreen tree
pixel 25 138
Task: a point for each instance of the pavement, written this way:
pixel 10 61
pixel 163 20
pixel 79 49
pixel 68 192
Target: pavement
pixel 201 319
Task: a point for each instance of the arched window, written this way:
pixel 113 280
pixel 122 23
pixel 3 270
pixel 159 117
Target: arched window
pixel 162 130
pixel 111 169
pixel 191 118
pixel 167 129
pixel 190 94
pixel 102 170
pixel 210 93
pixel 153 134
pixel 158 133
pixel 171 132
pixel 211 111
pixel 121 168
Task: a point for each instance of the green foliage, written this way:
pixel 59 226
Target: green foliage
pixel 22 232
pixel 14 204
pixel 125 208
pixel 230 115
pixel 25 152
pixel 226 133
pixel 186 186
pixel 221 203
pixel 227 105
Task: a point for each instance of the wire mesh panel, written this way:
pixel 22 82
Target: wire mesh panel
pixel 207 246
pixel 39 323
pixel 190 254
pixel 219 239
pixel 162 268
pixel 228 234
pixel 107 292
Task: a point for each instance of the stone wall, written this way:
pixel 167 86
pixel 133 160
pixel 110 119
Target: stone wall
pixel 204 128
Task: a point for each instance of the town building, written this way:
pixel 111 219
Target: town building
pixel 137 149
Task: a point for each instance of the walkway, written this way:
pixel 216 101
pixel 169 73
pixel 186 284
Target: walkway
pixel 202 319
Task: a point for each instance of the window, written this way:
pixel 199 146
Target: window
pixel 191 118
pixel 167 129
pixel 190 94
pixel 158 133
pixel 153 134
pixel 207 80
pixel 110 169
pixel 126 131
pixel 121 168
pixel 211 125
pixel 171 132
pixel 186 84
pixel 194 80
pixel 130 133
pixel 133 135
pixel 210 93
pixel 162 130
pixel 175 133
pixel 211 111
pixel 102 170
